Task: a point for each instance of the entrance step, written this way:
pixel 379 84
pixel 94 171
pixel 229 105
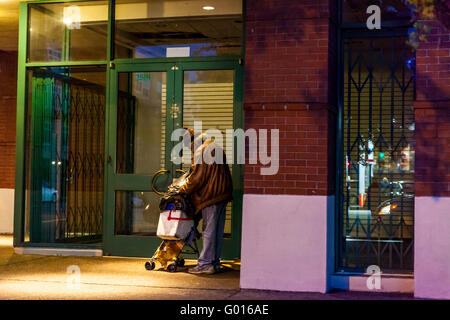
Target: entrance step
pixel 59 251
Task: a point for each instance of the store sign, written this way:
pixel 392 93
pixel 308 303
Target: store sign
pixel 176 52
pixel 143 76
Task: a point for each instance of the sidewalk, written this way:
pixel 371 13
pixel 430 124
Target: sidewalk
pixel 45 277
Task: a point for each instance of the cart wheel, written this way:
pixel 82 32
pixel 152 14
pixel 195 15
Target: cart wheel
pixel 149 265
pixel 172 267
pixel 180 262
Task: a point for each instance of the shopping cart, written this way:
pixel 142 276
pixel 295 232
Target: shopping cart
pixel 176 227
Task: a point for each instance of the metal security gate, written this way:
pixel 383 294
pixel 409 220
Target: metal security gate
pixel 66 157
pixel 377 221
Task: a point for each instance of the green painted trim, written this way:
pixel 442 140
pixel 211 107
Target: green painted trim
pixel 149 67
pixel 110 155
pixel 65 63
pixel 238 170
pixel 176 123
pixel 170 102
pixel 175 60
pixel 131 246
pixel 109 103
pixel 65 55
pixel 144 247
pixel 228 64
pixel 19 193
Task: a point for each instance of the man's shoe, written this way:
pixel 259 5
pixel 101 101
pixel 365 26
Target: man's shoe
pixel 208 269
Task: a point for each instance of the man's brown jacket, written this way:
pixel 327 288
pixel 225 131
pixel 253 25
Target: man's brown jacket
pixel 208 183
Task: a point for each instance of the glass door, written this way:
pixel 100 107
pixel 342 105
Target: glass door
pixel 142 97
pixel 212 99
pixel 148 102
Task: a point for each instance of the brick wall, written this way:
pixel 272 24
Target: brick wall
pixel 8 80
pixel 290 85
pixel 432 114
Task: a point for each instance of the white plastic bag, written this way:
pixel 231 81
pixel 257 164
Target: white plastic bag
pixel 174 225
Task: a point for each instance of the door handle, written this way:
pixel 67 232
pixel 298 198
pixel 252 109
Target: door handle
pixel 109 159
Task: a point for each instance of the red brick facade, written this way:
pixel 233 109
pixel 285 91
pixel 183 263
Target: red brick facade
pixel 432 114
pixel 8 89
pixel 290 85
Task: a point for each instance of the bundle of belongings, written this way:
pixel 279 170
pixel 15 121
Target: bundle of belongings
pixel 176 227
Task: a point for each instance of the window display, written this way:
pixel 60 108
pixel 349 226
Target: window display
pixel 378 219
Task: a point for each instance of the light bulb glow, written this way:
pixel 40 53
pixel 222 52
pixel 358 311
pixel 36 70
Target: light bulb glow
pixel 67 21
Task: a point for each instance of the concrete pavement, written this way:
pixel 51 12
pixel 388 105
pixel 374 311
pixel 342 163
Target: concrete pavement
pixel 47 277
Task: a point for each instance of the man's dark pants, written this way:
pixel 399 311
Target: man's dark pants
pixel 212 233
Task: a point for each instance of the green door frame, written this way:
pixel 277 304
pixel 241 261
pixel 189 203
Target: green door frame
pixel 188 63
pixel 143 246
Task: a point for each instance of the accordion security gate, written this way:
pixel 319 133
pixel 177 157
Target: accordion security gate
pixel 377 221
pixel 66 156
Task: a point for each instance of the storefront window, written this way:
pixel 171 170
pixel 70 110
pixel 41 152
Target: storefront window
pixel 161 28
pixel 73 31
pixel 378 179
pixel 65 142
pixel 67 110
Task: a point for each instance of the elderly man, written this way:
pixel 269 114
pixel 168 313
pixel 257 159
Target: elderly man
pixel 210 188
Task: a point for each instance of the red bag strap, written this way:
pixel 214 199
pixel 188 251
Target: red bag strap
pixel 173 218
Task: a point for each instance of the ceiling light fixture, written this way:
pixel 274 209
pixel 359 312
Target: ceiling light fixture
pixel 67 21
pixel 208 8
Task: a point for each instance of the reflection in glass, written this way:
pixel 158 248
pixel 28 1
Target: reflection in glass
pixel 208 97
pixel 378 220
pixel 72 31
pixel 65 141
pixel 161 28
pixel 137 213
pixel 141 122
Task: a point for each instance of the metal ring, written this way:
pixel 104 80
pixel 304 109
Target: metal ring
pixel 157 173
